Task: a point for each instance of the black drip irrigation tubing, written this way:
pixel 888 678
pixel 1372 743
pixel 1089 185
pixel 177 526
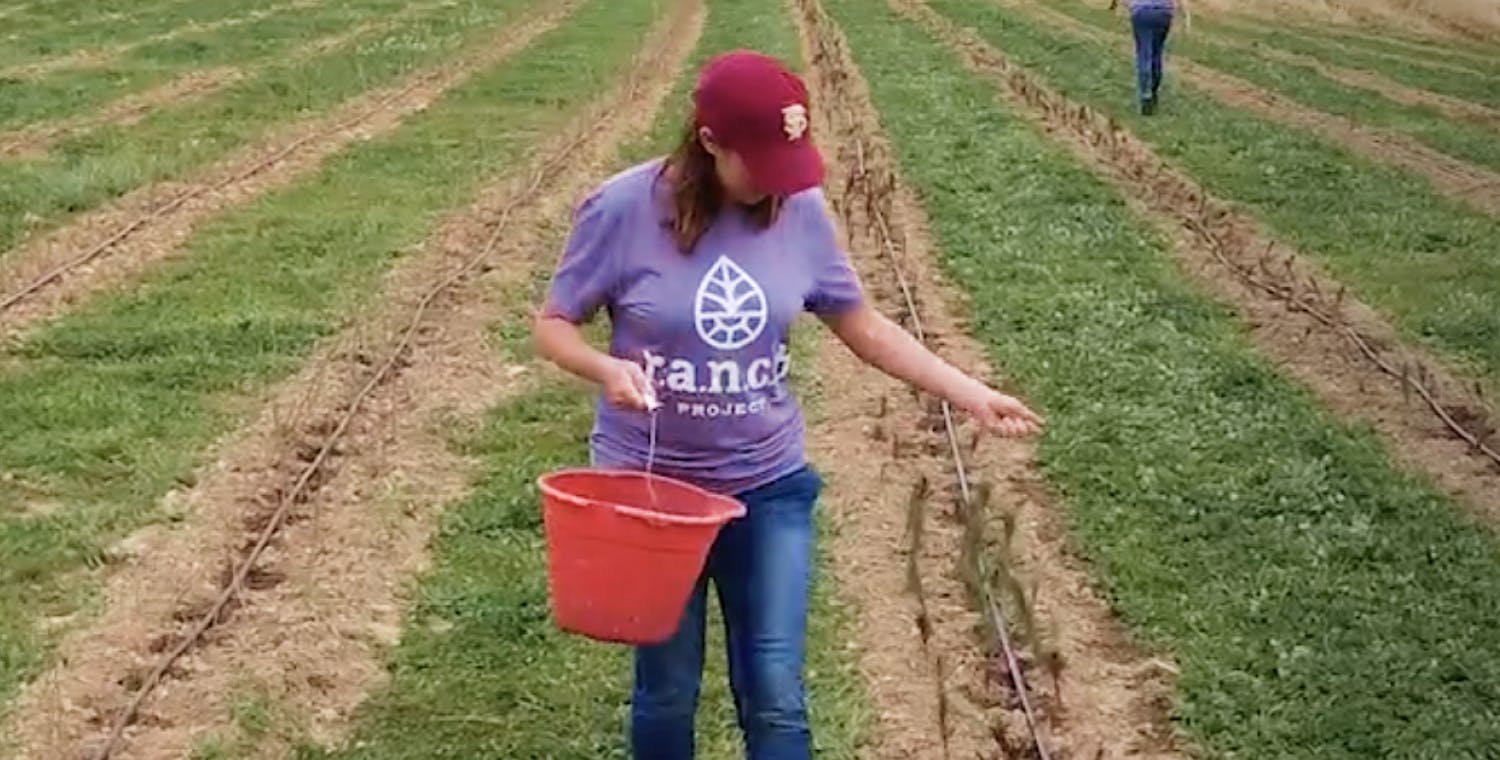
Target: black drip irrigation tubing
pixel 966 494
pixel 817 20
pixel 304 482
pixel 182 198
pixel 542 174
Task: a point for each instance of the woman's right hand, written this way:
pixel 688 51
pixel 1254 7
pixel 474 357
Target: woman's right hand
pixel 625 384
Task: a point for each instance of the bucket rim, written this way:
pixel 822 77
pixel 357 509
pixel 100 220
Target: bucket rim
pixel 647 515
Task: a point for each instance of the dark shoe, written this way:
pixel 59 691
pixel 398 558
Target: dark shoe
pixel 1148 106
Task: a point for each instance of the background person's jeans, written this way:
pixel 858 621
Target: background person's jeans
pixel 761 566
pixel 1150 26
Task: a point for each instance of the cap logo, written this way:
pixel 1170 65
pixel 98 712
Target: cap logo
pixel 794 121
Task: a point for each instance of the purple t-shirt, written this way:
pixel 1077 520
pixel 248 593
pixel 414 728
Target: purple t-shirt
pixel 710 327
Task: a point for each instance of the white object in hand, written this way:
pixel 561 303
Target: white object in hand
pixel 649 392
pixel 652 405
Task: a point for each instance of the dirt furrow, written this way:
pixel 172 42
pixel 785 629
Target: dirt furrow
pixel 1477 187
pixel 1452 108
pixel 1300 317
pixel 1110 699
pixel 106 248
pixel 100 57
pixel 37 138
pixel 325 602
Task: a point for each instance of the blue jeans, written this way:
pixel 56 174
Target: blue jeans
pixel 761 567
pixel 1150 26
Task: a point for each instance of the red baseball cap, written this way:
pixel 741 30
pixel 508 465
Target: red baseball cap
pixel 757 108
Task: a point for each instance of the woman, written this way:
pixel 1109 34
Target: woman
pixel 703 261
pixel 1151 20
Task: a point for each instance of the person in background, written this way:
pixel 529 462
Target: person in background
pixel 703 260
pixel 1151 21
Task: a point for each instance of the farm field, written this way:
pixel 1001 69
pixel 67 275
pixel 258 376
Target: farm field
pixel 272 422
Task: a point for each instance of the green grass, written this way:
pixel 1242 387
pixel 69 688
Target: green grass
pixel 109 407
pixel 1451 49
pixel 754 24
pixel 257 717
pixel 80 91
pixel 1320 603
pixel 1360 52
pixel 1426 261
pixel 89 169
pixel 57 27
pixel 1304 85
pixel 1445 45
pixel 482 673
pixel 501 682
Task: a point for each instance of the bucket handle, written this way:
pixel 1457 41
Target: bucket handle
pixel 654 518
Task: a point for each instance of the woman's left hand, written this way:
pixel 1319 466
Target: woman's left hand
pixel 998 413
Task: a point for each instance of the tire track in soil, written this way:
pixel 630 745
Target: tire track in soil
pixel 56 24
pixel 1471 185
pixel 1461 181
pixel 1413 59
pixel 1352 17
pixel 1421 52
pixel 1111 700
pixel 325 602
pixel 1234 259
pixel 34 140
pixel 115 245
pixel 1252 24
pixel 100 57
pixel 1450 107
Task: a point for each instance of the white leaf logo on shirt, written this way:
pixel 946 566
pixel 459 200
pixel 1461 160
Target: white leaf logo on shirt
pixel 730 308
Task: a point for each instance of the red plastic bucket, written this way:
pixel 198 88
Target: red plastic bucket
pixel 622 560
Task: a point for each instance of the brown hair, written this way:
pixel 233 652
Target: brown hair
pixel 696 194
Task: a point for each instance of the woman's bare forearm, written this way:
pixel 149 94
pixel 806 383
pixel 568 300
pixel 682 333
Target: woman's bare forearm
pixel 885 345
pixel 562 343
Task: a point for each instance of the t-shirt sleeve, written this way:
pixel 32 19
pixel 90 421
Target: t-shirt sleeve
pixel 586 275
pixel 835 287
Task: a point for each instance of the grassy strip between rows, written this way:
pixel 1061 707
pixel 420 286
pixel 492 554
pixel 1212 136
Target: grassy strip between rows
pixel 1321 604
pixel 77 91
pixel 1455 50
pixel 1362 52
pixel 109 408
pixel 89 169
pixel 1303 84
pixel 1401 41
pixel 1424 260
pixel 1417 48
pixel 480 671
pixel 50 28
